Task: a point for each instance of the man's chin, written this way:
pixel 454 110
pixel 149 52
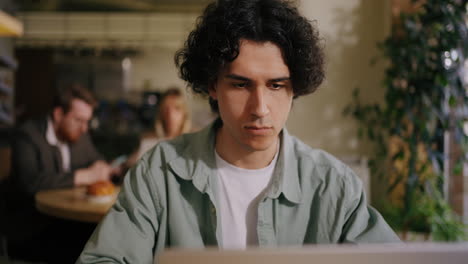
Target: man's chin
pixel 72 139
pixel 260 145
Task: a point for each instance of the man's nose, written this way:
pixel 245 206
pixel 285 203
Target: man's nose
pixel 259 102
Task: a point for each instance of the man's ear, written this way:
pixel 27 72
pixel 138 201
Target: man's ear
pixel 57 114
pixel 212 91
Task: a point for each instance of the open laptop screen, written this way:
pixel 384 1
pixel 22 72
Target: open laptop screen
pixel 401 253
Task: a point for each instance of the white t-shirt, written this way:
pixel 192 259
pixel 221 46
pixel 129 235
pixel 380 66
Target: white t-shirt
pixel 62 146
pixel 240 192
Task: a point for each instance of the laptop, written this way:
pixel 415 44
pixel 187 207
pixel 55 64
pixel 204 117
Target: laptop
pixel 398 253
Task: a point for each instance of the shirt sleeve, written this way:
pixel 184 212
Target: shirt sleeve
pixel 92 154
pixel 363 224
pixel 127 234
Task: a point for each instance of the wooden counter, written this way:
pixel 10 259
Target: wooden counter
pixel 73 204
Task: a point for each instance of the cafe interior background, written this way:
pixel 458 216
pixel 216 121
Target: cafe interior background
pixel 123 51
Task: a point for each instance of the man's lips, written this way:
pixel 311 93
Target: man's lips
pixel 258 130
pixel 258 127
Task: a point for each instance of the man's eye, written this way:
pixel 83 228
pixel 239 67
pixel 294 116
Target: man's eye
pixel 277 86
pixel 240 85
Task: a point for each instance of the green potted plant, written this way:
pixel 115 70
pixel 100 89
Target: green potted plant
pixel 425 98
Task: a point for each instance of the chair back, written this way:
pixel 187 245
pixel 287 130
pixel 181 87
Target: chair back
pixel 5 163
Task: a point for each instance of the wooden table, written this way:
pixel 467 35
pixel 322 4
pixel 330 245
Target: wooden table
pixel 73 204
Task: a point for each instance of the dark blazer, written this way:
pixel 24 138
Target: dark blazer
pixel 36 166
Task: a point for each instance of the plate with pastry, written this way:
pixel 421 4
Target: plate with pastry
pixel 101 192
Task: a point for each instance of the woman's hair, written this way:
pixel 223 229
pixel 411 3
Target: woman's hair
pixel 216 39
pixel 159 123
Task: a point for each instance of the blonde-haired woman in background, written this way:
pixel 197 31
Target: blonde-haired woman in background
pixel 172 117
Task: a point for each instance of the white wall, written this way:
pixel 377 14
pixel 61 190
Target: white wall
pixel 156 67
pixel 350 30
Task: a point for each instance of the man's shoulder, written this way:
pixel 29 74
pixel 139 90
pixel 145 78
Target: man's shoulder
pixel 185 156
pixel 318 157
pixel 34 128
pixel 314 159
pixel 324 167
pixel 186 146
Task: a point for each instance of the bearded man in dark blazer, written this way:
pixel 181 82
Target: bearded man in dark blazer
pixel 51 152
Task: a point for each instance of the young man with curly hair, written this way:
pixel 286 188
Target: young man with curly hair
pixel 243 181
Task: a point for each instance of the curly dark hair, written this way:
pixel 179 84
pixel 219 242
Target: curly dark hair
pixel 216 38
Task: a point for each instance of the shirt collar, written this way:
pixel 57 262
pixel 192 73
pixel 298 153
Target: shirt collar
pixel 286 173
pixel 197 163
pixel 51 136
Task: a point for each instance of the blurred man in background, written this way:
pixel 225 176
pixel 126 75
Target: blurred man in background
pixel 54 151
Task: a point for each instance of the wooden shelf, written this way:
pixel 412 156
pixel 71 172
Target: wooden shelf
pixel 10 26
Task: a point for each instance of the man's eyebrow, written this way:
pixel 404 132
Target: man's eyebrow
pixel 237 77
pixel 282 79
pixel 241 78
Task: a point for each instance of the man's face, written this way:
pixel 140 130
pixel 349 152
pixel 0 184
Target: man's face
pixel 254 95
pixel 74 123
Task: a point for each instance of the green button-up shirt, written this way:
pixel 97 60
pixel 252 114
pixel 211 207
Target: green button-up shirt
pixel 169 199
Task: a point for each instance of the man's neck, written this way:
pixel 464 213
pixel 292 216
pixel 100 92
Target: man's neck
pixel 57 133
pixel 243 156
pixel 52 134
